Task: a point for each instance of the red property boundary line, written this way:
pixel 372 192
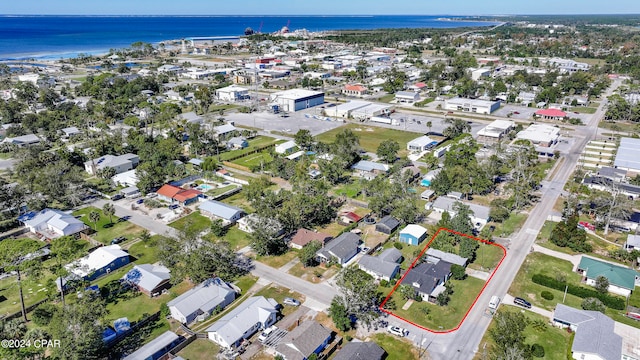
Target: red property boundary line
pixel 504 252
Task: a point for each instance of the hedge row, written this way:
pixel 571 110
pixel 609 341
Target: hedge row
pixel 579 291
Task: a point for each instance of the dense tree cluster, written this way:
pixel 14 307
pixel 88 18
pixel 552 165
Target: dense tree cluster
pixel 568 234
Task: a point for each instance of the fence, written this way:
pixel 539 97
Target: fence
pixel 226 194
pixel 181 346
pixel 249 152
pixel 186 180
pixel 28 310
pixel 14 232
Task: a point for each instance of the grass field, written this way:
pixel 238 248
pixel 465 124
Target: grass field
pixel 387 98
pixel 200 349
pixel 309 273
pixel 106 230
pixel 194 220
pixel 246 282
pixel 263 157
pixel 145 253
pixel 396 348
pixel 236 238
pixel 371 136
pixel 487 257
pixel 583 109
pixel 554 340
pixel 221 190
pixel 511 225
pixel 240 201
pixel 446 317
pixel 257 142
pixel 278 261
pixel 279 293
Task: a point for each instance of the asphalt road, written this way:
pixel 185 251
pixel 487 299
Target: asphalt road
pixel 464 343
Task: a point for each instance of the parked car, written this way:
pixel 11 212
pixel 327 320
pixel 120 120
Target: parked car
pixel 118 240
pixel 117 197
pixel 265 334
pixel 291 301
pixel 398 331
pixel 174 206
pixel 152 195
pixel 522 302
pixel 516 112
pixel 365 250
pixel 139 201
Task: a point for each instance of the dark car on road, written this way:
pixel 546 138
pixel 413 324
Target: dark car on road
pixel 522 302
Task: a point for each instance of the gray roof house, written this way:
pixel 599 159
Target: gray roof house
pixel 358 350
pixel 224 130
pixel 120 163
pixel 342 248
pixel 240 323
pixel 633 242
pixel 426 278
pixel 71 131
pixel 387 224
pixel 480 215
pixel 157 347
pixel 201 300
pixel 595 337
pixel 435 255
pixel 217 209
pixel 191 117
pixel 148 278
pixel 385 266
pixel 306 339
pixel 23 140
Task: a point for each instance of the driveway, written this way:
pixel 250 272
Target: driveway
pixel 508 299
pixel 146 222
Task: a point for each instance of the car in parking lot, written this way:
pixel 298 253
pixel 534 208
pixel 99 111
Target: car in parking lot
pixel 398 331
pixel 117 197
pixel 291 301
pixel 522 302
pixel 516 112
pixel 118 240
pixel 139 201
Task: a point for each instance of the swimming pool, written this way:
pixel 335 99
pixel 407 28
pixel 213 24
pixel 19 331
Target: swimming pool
pixel 205 187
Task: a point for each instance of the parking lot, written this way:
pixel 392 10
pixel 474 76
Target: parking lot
pixel 291 123
pixel 524 113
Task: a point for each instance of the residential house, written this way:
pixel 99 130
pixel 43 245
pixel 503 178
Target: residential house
pixel 354 90
pixel 350 217
pixel 622 280
pixel 156 348
pixel 303 236
pixel 387 225
pixel 428 178
pixel 245 224
pixel 308 338
pixel 237 142
pixel 101 261
pixel 428 279
pixel 202 300
pixel 191 118
pixel 428 195
pixel 407 96
pixel 70 132
pixel 435 255
pixel 421 144
pixel 184 197
pixel 369 169
pixel 595 338
pixel 632 243
pixel 130 192
pixel 127 178
pixel 358 350
pixel 286 147
pixel 479 214
pixel 120 163
pixel 340 249
pixel 413 234
pixel 253 314
pixel 24 140
pixel 225 131
pixel 52 223
pixel 606 184
pixel 149 279
pixel 219 210
pixel 382 267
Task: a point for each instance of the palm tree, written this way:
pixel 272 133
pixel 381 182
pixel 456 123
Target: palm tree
pixel 14 329
pixel 429 125
pixel 109 210
pixel 94 217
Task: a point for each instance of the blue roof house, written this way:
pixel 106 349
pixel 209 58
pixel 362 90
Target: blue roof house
pixel 413 234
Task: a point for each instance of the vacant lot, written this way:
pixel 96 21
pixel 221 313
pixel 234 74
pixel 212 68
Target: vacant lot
pixel 487 257
pixel 396 348
pixel 200 349
pixel 257 159
pixel 105 229
pixel 195 221
pixel 255 143
pixel 371 136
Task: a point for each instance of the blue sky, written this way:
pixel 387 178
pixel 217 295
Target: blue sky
pixel 322 7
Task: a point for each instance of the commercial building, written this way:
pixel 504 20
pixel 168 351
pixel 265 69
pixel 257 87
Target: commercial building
pixel 495 131
pixel 480 73
pixel 540 134
pixel 407 96
pixel 354 90
pixel 297 99
pixel 551 114
pixel 471 105
pixel 421 144
pixel 232 93
pixel 361 110
pixel 628 156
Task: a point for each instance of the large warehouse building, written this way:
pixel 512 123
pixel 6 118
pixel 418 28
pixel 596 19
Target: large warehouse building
pixel 471 105
pixel 628 157
pixel 540 134
pixel 297 99
pixel 494 132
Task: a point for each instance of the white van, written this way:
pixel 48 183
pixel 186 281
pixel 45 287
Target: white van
pixel 494 302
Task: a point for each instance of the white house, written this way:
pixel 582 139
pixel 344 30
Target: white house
pixel 232 93
pixel 421 144
pixel 202 300
pixel 127 178
pixel 479 216
pixel 285 147
pixel 253 314
pixel 52 223
pixel 23 140
pixel 148 279
pixel 120 163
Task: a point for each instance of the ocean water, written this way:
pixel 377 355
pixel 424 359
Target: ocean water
pixel 54 37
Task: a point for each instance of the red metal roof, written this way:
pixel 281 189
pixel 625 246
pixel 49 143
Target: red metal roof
pixel 551 113
pixel 420 85
pixel 169 190
pixel 358 88
pixel 353 216
pixel 185 195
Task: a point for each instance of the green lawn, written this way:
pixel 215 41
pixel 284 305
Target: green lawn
pixel 194 220
pixel 387 98
pixel 634 299
pixel 309 273
pixel 246 282
pixel 200 349
pixel 145 253
pixel 583 109
pixel 352 190
pixel 32 289
pixel 240 201
pixel 554 340
pixel 220 190
pixel 235 237
pixel 106 230
pixel 511 225
pixel 396 348
pixel 279 293
pixel 487 257
pixel 278 261
pixel 263 157
pixel 371 137
pixel 258 141
pixel 446 317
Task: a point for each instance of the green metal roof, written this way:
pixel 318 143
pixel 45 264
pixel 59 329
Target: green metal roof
pixel 616 274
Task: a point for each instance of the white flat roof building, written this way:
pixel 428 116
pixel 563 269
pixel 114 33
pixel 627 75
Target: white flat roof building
pixel 344 110
pixel 495 131
pixel 471 105
pixel 540 134
pixel 370 110
pixel 232 93
pixel 628 156
pixel 297 99
pixel 421 144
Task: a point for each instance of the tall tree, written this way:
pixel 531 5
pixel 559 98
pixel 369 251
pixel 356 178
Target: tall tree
pixel 388 150
pixel 359 294
pixel 63 250
pixel 94 217
pixel 109 210
pixel 304 139
pixel 12 252
pixel 508 334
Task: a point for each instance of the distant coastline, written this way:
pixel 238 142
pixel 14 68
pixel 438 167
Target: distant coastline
pixel 54 37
